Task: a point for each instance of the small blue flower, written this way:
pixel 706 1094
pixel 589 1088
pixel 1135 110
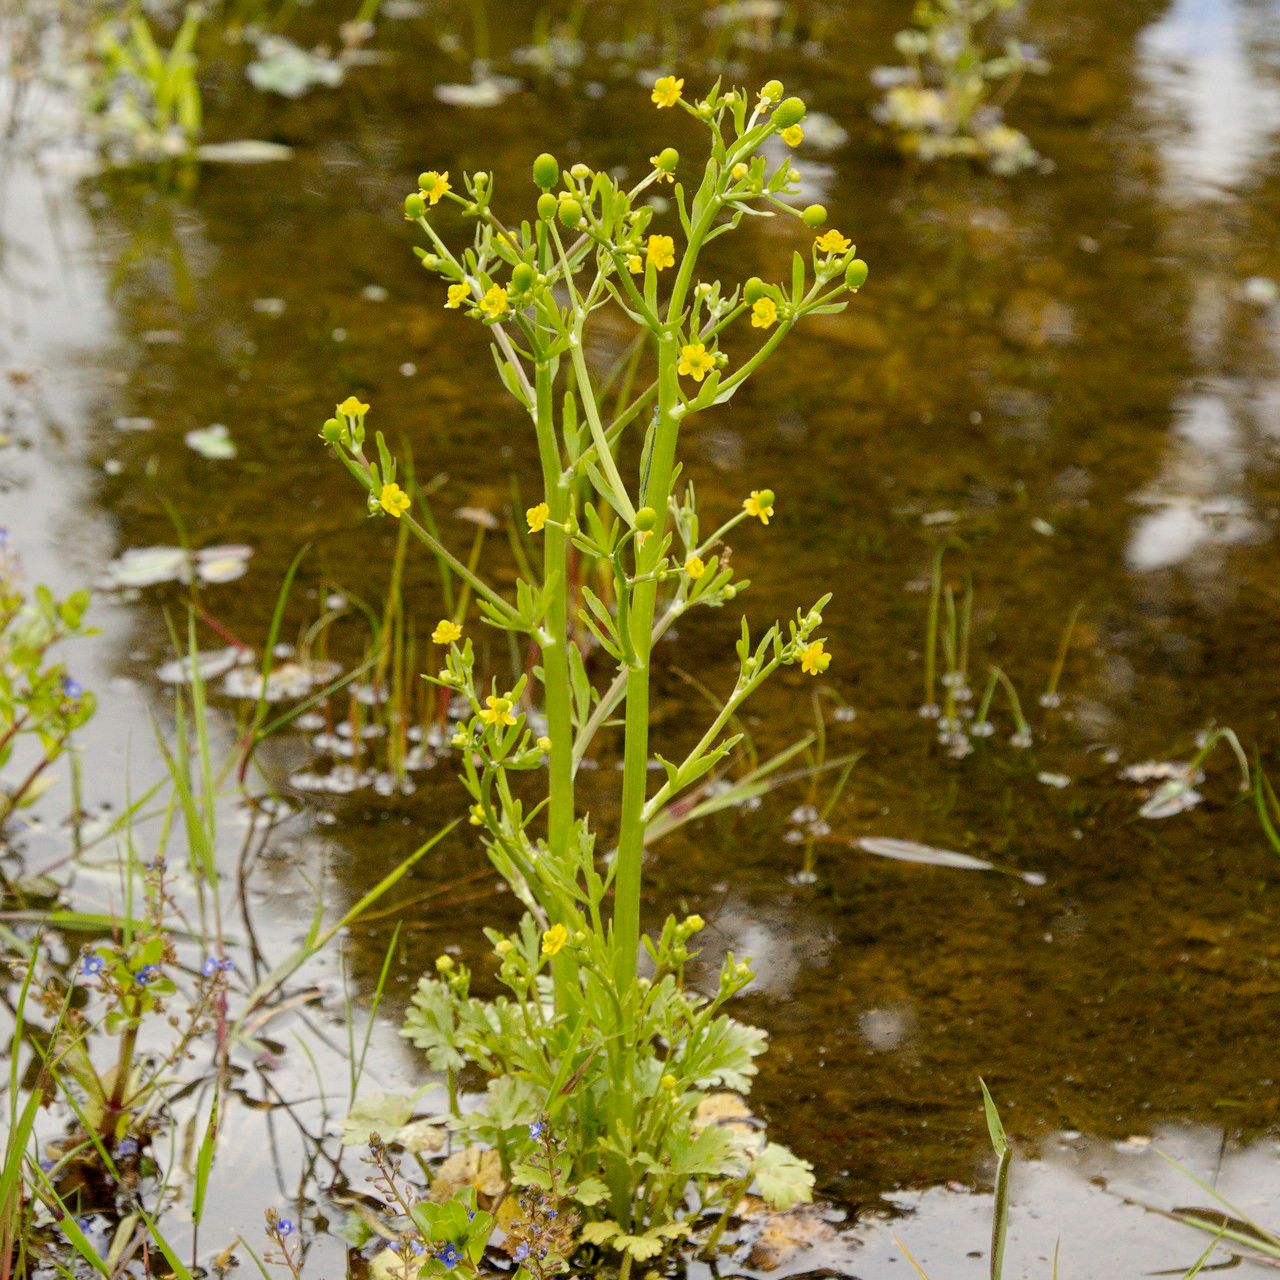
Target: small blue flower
pixel 226 965
pixel 47 1165
pixel 126 1147
pixel 537 1129
pixel 521 1253
pixel 450 1256
pixel 417 1246
pixel 91 966
pixel 71 688
pixel 211 966
pixel 284 1226
pixel 148 973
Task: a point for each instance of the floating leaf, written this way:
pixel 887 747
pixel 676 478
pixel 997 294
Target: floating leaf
pixel 910 851
pixel 782 1178
pixel 380 1113
pixel 287 69
pixel 211 663
pixel 488 92
pixel 213 442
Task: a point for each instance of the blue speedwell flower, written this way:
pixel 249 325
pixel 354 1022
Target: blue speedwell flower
pixel 91 966
pixel 71 688
pixel 148 973
pixel 284 1226
pixel 450 1256
pixel 537 1129
pixel 521 1253
pixel 213 965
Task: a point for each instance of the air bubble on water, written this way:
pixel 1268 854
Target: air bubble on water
pixel 1050 700
pixel 804 813
pixel 930 711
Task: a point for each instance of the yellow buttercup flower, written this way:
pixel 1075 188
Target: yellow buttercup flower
pixel 694 567
pixel 663 175
pixel 814 658
pixel 635 263
pixel 446 632
pixel 661 252
pixel 458 294
pixel 352 408
pixel 394 501
pixel 537 517
pixel 833 242
pixel 553 941
pixel 696 361
pixel 764 313
pixel 434 185
pixel 759 504
pixel 497 711
pixel 666 91
pixel 494 303
pixel 794 136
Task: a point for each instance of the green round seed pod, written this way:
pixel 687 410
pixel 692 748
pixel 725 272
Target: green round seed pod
pixel 547 206
pixel 546 170
pixel 790 112
pixel 333 431
pixel 772 91
pixel 814 216
pixel 765 497
pixel 753 290
pixel 668 158
pixel 570 213
pixel 523 277
pixel 855 274
pixel 414 205
pixel 646 519
pixel 426 179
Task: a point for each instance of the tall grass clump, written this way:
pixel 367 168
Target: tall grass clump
pixel 612 1061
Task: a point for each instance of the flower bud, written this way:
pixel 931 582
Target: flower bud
pixel 547 206
pixel 669 1082
pixel 772 92
pixel 739 171
pixel 523 277
pixel 333 431
pixel 646 519
pixel 668 158
pixel 855 275
pixel 504 946
pixel 581 171
pixel 753 290
pixel 814 216
pixel 789 113
pixel 480 180
pixel 546 170
pixel 414 205
pixel 444 964
pixel 694 923
pixel 570 213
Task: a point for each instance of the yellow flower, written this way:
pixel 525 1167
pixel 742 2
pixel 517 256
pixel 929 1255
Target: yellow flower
pixel 794 136
pixel 352 408
pixel 494 303
pixel 553 941
pixel 814 659
pixel 662 252
pixel 833 242
pixel 764 313
pixel 696 361
pixel 394 501
pixel 475 815
pixel 543 745
pixel 635 263
pixel 433 185
pixel 694 567
pixel 537 517
pixel 759 504
pixel 497 711
pixel 668 1082
pixel 458 294
pixel 446 632
pixel 663 175
pixel 666 91
pixel 739 171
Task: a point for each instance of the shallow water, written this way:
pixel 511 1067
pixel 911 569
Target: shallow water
pixel 1059 377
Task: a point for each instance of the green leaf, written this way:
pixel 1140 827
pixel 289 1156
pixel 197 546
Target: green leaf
pixel 995 1128
pixel 380 1113
pixel 590 1191
pixel 600 1232
pixel 782 1178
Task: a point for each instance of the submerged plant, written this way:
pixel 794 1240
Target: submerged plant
pixel 948 99
pixel 616 1062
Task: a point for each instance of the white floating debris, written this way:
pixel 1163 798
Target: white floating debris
pixel 135 424
pixel 287 69
pixel 1260 291
pixel 245 151
pixel 213 442
pixel 147 566
pixel 289 681
pixel 489 92
pixel 910 851
pixel 1170 799
pixel 210 663
pixel 1058 780
pixel 269 306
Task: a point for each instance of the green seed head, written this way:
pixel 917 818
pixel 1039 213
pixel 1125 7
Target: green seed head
pixel 789 113
pixel 814 216
pixel 646 519
pixel 547 206
pixel 668 158
pixel 772 92
pixel 753 290
pixel 333 431
pixel 855 274
pixel 523 277
pixel 570 213
pixel 414 205
pixel 765 497
pixel 546 171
